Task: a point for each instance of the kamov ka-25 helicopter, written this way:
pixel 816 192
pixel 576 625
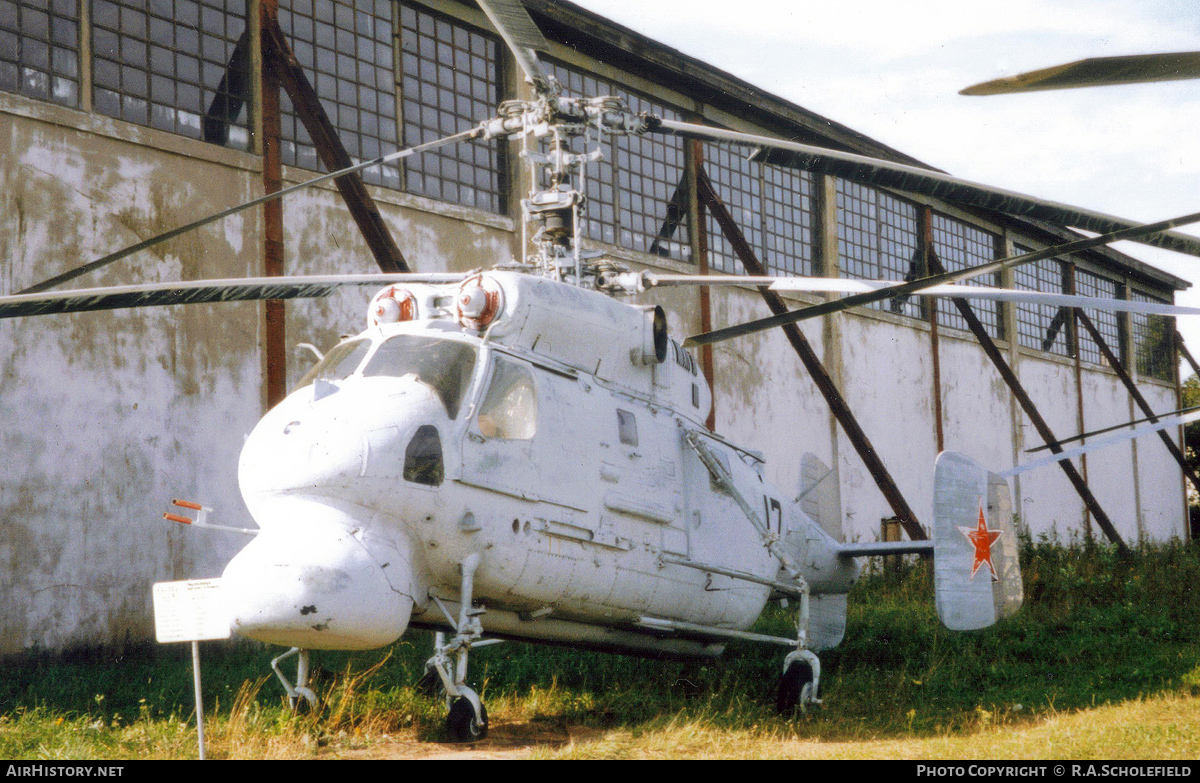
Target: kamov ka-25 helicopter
pixel 515 453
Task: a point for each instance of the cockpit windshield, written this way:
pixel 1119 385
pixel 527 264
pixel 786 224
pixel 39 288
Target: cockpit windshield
pixel 443 365
pixel 340 363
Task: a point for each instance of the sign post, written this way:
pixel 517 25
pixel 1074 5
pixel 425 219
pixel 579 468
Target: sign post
pixel 191 611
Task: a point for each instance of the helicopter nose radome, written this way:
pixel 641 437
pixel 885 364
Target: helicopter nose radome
pixel 314 586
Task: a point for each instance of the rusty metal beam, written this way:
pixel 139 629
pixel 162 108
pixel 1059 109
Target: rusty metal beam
pixel 931 315
pixel 274 322
pixel 1136 394
pixel 1018 391
pixel 279 59
pixel 837 404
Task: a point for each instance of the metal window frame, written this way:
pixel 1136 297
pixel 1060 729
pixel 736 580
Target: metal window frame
pixel 145 68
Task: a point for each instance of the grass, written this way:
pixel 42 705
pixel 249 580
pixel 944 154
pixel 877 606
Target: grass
pixel 1102 662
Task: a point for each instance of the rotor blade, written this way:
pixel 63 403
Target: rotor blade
pixel 1111 440
pixel 523 37
pixel 904 289
pixel 846 286
pixel 71 274
pixel 927 182
pixel 1093 433
pixel 200 291
pixel 1096 72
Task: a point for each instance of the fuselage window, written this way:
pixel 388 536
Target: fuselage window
pixel 423 458
pixel 509 410
pixel 443 365
pixel 340 363
pixel 627 427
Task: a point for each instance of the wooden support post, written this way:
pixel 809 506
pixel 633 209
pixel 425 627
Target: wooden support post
pixel 931 315
pixel 279 59
pixel 1014 384
pixel 833 397
pixel 275 337
pixel 699 231
pixel 1073 347
pixel 1136 394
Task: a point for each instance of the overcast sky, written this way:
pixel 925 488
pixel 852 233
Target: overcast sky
pixel 892 70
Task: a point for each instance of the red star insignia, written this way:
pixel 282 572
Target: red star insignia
pixel 982 539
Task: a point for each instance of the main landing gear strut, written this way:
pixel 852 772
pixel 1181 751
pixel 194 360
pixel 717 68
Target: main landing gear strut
pixel 801 669
pixel 467 720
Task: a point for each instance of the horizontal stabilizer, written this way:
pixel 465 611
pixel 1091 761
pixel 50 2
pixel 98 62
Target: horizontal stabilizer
pixel 977 575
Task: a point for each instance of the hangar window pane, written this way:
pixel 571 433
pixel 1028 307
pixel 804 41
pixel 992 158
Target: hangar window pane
pixel 39 50
pixel 788 225
pixel 650 178
pixel 180 67
pixel 450 83
pixel 1152 337
pixel 346 51
pixel 877 240
pixel 1106 321
pixel 960 245
pixel 1041 326
pixel 739 184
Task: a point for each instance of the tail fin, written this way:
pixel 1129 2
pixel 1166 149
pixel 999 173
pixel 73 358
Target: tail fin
pixel 976 572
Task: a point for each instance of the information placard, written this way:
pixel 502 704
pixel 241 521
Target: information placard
pixel 190 611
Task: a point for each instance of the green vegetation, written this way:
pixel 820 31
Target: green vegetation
pixel 1104 646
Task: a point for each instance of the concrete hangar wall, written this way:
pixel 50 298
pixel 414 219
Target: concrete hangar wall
pixel 108 416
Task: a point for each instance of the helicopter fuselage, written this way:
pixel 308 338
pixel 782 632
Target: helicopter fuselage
pixel 551 444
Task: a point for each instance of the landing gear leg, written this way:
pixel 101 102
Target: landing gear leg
pixel 801 669
pixel 300 690
pixel 467 720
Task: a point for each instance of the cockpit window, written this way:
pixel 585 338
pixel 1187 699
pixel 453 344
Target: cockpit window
pixel 509 411
pixel 339 364
pixel 443 365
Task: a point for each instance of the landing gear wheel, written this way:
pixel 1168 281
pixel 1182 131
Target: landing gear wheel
pixel 461 724
pixel 795 688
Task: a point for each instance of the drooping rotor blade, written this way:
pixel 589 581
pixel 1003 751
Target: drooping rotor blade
pixel 906 289
pixel 843 285
pixel 1096 72
pixel 523 37
pixel 899 176
pixel 1094 433
pixel 71 274
pixel 200 291
pixel 1111 440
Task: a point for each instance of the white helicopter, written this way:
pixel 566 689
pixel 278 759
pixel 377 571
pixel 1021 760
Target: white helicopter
pixel 516 453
